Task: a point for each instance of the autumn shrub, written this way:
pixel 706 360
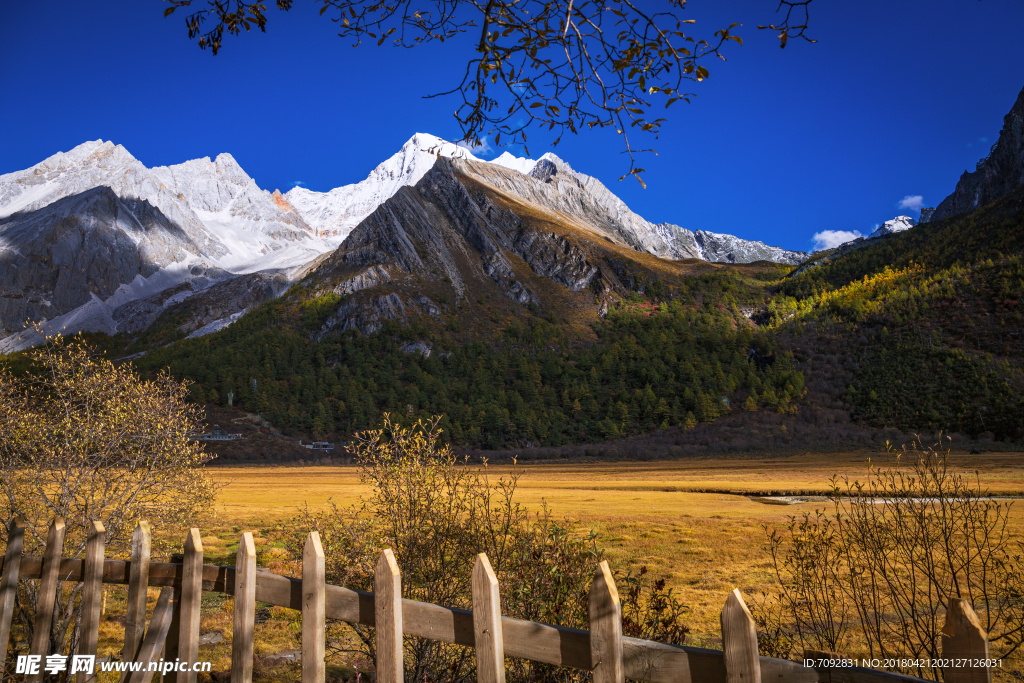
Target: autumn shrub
pixel 86 440
pixel 437 513
pixel 874 573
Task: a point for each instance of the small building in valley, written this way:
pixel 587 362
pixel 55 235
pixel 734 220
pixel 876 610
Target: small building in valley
pixel 215 435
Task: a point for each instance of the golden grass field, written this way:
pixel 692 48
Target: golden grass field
pixel 652 514
pixel 696 522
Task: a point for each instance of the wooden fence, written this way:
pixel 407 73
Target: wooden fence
pixel 173 630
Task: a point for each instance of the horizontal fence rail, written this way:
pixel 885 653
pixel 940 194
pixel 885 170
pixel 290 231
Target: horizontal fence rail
pixel 174 626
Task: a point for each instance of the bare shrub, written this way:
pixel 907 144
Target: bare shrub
pixel 84 439
pixel 875 573
pixel 437 513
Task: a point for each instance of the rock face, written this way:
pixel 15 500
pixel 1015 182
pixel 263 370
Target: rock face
pixel 720 248
pixel 997 174
pixel 336 213
pixel 455 235
pixel 577 196
pixel 92 239
pixel 255 226
pixel 93 249
pixel 883 232
pixel 85 233
pixel 587 200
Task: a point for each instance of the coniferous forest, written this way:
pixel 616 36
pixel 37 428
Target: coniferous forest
pixel 925 323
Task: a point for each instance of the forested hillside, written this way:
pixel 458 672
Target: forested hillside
pixel 916 332
pixel 533 379
pixel 934 318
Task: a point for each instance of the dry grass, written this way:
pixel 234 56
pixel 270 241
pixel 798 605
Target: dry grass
pixel 692 521
pixel 686 520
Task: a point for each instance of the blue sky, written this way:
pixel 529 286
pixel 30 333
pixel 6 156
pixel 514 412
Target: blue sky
pixel 896 99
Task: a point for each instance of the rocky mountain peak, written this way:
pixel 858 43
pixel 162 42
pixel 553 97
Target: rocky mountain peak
pixel 65 173
pixel 995 175
pixel 89 231
pixel 515 163
pixel 898 224
pixel 336 213
pixel 131 240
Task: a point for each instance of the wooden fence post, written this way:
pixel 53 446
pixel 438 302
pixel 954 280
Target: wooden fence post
pixel 49 584
pixel 191 600
pixel 92 593
pixel 387 607
pixel 490 648
pixel 739 641
pixel 605 628
pixel 9 582
pixel 314 610
pixel 172 647
pixel 138 591
pixel 964 638
pixel 245 611
pixel 155 637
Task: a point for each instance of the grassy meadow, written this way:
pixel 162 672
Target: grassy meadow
pixel 697 522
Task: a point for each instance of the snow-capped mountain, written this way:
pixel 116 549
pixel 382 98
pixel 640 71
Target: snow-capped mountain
pixel 890 227
pixel 574 191
pixel 898 224
pixel 85 232
pixel 92 239
pixel 519 164
pixel 335 213
pixel 260 230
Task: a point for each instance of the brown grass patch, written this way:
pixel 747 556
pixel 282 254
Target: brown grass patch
pixel 690 520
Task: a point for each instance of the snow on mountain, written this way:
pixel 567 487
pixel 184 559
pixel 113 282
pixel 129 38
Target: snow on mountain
pixel 898 224
pixel 87 231
pixel 260 230
pixel 515 163
pixel 721 248
pixel 335 213
pixel 97 164
pixel 578 194
pixel 92 239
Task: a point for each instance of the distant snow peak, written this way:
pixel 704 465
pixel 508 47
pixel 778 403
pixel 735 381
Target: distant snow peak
pixel 334 214
pixel 520 164
pixel 81 226
pixel 834 239
pixel 431 144
pixel 118 242
pixel 898 224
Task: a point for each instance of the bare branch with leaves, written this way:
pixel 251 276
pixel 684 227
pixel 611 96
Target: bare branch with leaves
pixel 560 65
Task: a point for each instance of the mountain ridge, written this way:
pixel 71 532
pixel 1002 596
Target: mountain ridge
pixel 215 219
pixel 997 174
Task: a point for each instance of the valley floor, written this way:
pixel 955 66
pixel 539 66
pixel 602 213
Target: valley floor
pixel 697 522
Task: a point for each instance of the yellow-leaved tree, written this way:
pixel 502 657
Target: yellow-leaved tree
pixel 85 439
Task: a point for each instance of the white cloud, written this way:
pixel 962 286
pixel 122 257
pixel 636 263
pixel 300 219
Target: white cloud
pixel 829 239
pixel 911 201
pixel 483 149
pixel 297 183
